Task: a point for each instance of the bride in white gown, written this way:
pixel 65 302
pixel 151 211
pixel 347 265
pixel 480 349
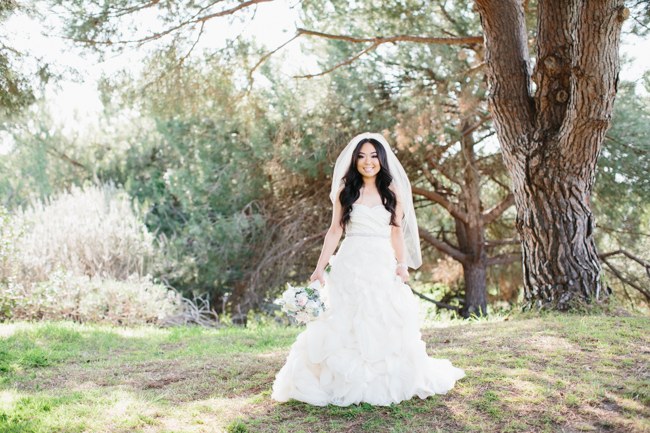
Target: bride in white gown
pixel 367 346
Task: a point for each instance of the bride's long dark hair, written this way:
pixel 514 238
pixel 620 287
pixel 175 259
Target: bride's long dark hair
pixel 353 182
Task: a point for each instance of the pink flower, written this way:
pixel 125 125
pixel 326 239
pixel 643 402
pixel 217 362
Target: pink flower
pixel 301 299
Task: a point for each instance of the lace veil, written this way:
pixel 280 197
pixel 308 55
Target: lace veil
pixel 402 185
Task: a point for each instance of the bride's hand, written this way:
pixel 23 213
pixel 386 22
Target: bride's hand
pixel 403 273
pixel 317 275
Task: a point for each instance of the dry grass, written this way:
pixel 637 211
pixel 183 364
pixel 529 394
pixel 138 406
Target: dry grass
pixel 528 374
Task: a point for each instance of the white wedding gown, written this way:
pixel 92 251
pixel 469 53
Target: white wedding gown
pixel 367 346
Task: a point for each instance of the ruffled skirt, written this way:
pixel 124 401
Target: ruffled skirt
pixel 367 346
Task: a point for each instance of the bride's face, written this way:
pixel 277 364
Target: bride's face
pixel 368 161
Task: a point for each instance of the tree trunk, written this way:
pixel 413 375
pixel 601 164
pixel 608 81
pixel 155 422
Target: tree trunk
pixel 475 291
pixel 239 304
pixel 470 241
pixel 560 262
pixel 471 234
pixel 551 140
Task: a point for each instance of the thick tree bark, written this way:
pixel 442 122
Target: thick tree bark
pixel 551 141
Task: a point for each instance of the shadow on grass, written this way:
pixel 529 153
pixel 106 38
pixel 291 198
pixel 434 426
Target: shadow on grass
pixel 429 415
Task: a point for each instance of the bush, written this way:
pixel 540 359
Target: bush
pixel 92 231
pixel 9 234
pixel 67 296
pixel 82 256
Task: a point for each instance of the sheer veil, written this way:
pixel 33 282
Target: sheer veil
pixel 402 185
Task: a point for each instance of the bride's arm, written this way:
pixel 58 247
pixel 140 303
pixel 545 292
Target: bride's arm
pixel 397 239
pixel 331 242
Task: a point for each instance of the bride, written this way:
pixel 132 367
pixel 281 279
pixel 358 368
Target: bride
pixel 367 346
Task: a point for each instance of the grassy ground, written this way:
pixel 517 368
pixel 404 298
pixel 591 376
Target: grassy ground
pixel 527 374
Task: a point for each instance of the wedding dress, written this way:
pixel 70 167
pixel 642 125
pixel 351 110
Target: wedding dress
pixel 367 346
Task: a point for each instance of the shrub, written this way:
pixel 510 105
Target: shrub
pixel 10 232
pixel 91 231
pixel 81 256
pixel 67 296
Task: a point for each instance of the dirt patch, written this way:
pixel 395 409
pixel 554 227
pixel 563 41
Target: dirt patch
pixel 178 380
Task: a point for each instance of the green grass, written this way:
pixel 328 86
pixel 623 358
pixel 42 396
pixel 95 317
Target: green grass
pixel 529 373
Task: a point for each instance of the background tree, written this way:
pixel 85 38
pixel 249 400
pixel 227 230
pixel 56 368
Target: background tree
pixel 15 88
pixel 23 75
pixel 623 235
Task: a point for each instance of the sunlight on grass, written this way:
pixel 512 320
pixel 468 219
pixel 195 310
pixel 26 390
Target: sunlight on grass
pixel 139 332
pixel 8 398
pixel 8 329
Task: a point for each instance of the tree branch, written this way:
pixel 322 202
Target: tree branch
pixel 242 5
pixel 343 63
pixel 13 50
pixel 467 40
pixel 595 64
pixel 498 182
pixel 630 256
pixel 379 40
pixel 500 242
pixel 51 150
pixel 437 303
pixel 497 210
pixel 196 41
pixel 449 18
pixel 265 58
pixel 196 19
pixel 508 67
pixel 120 12
pixel 482 120
pixel 620 276
pixel 488 157
pixel 443 246
pixel 434 164
pixel 609 229
pixel 434 196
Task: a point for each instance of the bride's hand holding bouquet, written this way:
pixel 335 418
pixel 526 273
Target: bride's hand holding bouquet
pixel 302 303
pixel 318 275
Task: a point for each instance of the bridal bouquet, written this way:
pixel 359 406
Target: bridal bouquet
pixel 303 304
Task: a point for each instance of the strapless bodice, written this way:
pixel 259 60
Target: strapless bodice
pixel 368 221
